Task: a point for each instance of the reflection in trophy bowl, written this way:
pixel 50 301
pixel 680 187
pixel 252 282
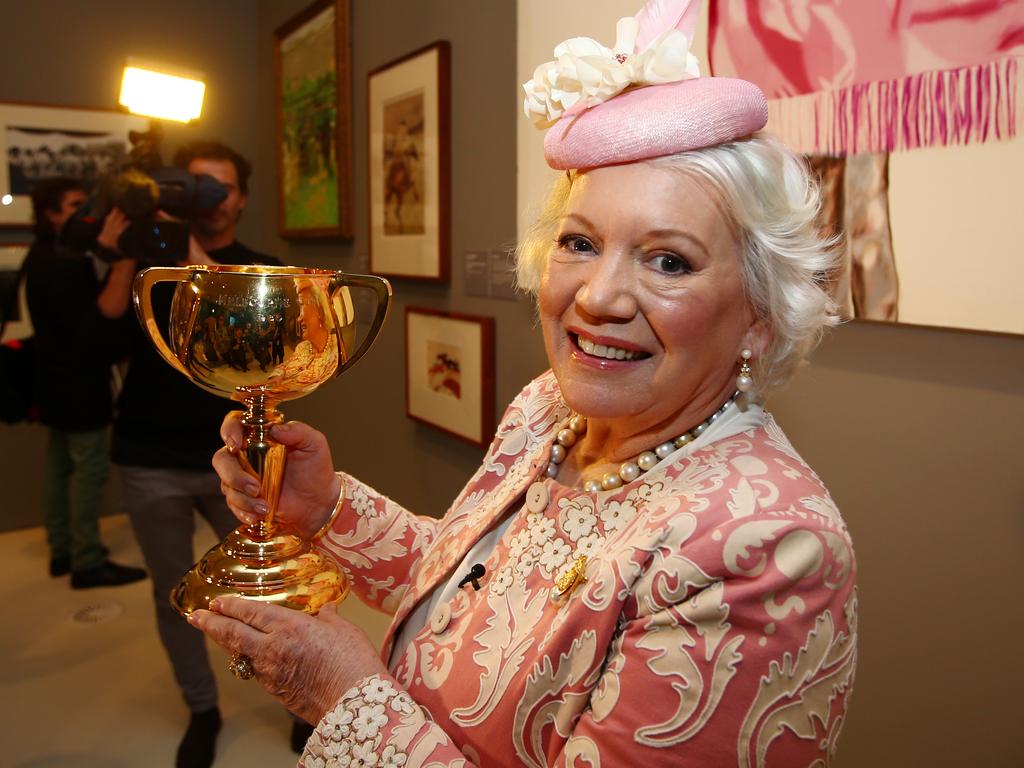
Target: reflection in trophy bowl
pixel 240 331
pixel 279 332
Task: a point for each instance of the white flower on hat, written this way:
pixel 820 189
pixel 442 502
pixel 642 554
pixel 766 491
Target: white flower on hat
pixel 586 73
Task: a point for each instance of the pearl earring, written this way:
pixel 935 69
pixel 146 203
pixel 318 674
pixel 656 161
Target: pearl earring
pixel 744 382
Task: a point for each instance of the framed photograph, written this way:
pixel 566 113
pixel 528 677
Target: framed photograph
pixel 449 373
pixel 38 142
pixel 409 197
pixel 313 94
pixel 18 325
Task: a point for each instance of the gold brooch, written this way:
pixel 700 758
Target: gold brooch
pixel 572 577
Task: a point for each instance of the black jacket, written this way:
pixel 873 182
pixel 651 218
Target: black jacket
pixel 74 344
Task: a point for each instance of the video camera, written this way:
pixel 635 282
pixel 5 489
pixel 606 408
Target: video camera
pixel 142 188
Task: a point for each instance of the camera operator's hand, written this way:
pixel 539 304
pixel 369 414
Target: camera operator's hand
pixel 196 254
pixel 114 226
pixel 115 297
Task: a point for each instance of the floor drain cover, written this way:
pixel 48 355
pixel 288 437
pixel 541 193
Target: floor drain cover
pixel 97 613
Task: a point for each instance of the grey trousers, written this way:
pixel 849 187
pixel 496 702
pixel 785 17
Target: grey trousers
pixel 162 504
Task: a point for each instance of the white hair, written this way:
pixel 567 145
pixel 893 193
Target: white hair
pixel 786 264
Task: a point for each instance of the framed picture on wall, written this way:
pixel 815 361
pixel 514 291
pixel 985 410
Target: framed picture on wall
pixel 449 372
pixel 18 325
pixel 409 196
pixel 313 95
pixel 39 141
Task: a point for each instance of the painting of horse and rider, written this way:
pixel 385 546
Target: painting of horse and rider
pixel 403 165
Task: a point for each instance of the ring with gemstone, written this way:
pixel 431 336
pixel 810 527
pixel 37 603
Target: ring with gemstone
pixel 241 666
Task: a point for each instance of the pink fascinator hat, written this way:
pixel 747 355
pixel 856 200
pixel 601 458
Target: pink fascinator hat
pixel 643 98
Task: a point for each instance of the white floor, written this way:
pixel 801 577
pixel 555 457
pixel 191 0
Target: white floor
pixel 84 681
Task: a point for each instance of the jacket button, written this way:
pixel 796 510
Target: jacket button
pixel 441 619
pixel 537 497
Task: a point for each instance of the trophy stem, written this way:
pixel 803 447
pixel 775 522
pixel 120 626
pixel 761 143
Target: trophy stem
pixel 263 457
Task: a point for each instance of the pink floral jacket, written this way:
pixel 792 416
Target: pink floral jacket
pixel 716 626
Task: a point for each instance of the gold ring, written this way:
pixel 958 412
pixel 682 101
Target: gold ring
pixel 241 666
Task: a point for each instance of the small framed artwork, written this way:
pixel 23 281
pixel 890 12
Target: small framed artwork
pixel 18 325
pixel 449 372
pixel 313 95
pixel 409 196
pixel 39 141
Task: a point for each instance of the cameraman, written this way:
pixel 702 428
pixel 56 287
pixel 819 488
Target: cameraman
pixel 165 432
pixel 77 338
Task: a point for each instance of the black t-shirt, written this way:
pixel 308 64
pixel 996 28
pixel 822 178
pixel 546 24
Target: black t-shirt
pixel 74 344
pixel 163 419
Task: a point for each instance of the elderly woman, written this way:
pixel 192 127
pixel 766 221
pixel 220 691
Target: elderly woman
pixel 643 571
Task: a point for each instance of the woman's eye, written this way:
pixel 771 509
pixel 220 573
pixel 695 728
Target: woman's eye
pixel 575 244
pixel 670 264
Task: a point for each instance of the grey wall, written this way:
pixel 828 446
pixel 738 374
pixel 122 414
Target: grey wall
pixel 71 54
pixel 917 433
pixel 363 413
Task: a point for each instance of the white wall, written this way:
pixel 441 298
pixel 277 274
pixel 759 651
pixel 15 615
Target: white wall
pixel 956 215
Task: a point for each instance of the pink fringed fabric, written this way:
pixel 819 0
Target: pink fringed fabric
pixel 876 76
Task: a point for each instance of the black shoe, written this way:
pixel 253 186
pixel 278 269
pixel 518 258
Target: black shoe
pixel 199 744
pixel 107 575
pixel 301 731
pixel 60 566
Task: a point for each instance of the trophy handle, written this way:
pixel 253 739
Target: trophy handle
pixel 382 289
pixel 141 298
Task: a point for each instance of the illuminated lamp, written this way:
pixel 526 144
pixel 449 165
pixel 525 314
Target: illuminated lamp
pixel 153 93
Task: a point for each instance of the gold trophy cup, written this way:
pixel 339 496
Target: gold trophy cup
pixel 261 336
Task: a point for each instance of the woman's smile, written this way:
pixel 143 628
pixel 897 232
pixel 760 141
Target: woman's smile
pixel 597 348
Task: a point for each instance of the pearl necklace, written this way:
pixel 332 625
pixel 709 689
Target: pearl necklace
pixel 570 430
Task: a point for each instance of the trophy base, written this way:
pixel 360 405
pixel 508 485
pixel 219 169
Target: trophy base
pixel 279 569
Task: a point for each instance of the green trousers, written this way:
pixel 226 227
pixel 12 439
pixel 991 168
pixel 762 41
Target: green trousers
pixel 77 465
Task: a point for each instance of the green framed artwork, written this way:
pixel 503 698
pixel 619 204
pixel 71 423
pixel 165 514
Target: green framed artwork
pixel 313 93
